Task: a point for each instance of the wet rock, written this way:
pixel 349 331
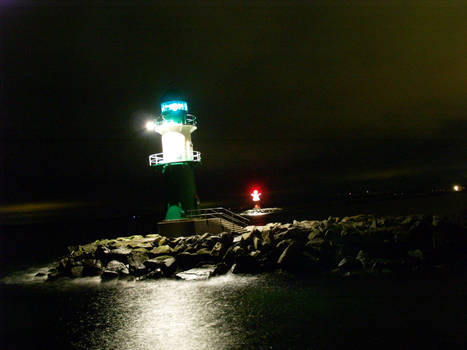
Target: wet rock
pixel 256 243
pixel 226 238
pixel 315 243
pixel 245 263
pixel 92 267
pixel 140 244
pixel 161 250
pixel 109 275
pixel 40 274
pixel 137 257
pixel 416 254
pixel 180 247
pixel 120 254
pixel 53 276
pixel 217 250
pixel 255 253
pixel 117 266
pixel 284 243
pixel 76 271
pixel 349 264
pixel 199 273
pixel 363 259
pixel 187 260
pixel 289 257
pixel 166 263
pixel 221 269
pixel 155 274
pixel 64 265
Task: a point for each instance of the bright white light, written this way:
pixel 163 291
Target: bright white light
pixel 173 145
pixel 456 188
pixel 150 126
pixel 255 194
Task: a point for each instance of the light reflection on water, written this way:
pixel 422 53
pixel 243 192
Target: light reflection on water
pixel 230 312
pixel 170 314
pixel 163 314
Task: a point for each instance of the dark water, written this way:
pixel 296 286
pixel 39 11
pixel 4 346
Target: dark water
pixel 235 312
pixel 268 311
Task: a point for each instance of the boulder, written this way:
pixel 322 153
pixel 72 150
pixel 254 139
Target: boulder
pixel 226 238
pixel 256 243
pixel 199 273
pixel 155 274
pixel 284 243
pixel 76 271
pixel 266 238
pixel 363 259
pixel 109 275
pixel 161 250
pixel 187 260
pixel 117 266
pixel 349 264
pixel 217 250
pixel 245 264
pixel 290 257
pixel 53 276
pixel 120 254
pixel 92 267
pixel 165 262
pixel 416 254
pixel 180 247
pixel 221 269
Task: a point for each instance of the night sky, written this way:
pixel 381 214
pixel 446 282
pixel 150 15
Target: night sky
pixel 304 97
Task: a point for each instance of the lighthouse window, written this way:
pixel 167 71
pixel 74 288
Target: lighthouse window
pixel 174 106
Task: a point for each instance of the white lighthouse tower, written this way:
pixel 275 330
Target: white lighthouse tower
pixel 175 126
pixel 177 160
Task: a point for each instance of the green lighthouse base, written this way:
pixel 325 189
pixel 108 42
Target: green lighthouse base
pixel 179 189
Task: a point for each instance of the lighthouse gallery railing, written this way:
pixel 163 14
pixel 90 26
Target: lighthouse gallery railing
pixel 158 158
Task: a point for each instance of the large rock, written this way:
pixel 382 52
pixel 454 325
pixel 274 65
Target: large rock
pixel 290 258
pixel 166 263
pixel 199 273
pixel 76 271
pixel 92 267
pixel 161 250
pixel 109 275
pixel 117 266
pixel 121 254
pixel 218 250
pixel 246 263
pixel 187 260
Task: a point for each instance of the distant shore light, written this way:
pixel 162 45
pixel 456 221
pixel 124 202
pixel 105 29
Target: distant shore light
pixel 456 188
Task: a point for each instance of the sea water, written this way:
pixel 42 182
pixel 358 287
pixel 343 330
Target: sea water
pixel 266 311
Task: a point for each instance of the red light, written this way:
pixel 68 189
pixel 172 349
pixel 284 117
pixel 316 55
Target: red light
pixel 255 194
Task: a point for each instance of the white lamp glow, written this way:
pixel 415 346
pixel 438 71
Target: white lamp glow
pixel 150 126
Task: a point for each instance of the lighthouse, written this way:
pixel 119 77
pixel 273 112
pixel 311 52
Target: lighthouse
pixel 178 159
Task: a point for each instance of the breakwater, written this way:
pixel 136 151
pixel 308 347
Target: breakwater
pixel 347 246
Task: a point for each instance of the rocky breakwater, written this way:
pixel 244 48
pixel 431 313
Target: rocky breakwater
pixel 358 245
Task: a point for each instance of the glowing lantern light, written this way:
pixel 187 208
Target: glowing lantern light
pixel 456 188
pixel 150 126
pixel 174 106
pixel 255 194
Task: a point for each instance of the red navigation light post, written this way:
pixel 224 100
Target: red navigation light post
pixel 255 194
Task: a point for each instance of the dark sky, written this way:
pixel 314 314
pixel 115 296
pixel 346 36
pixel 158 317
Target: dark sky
pixel 312 96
